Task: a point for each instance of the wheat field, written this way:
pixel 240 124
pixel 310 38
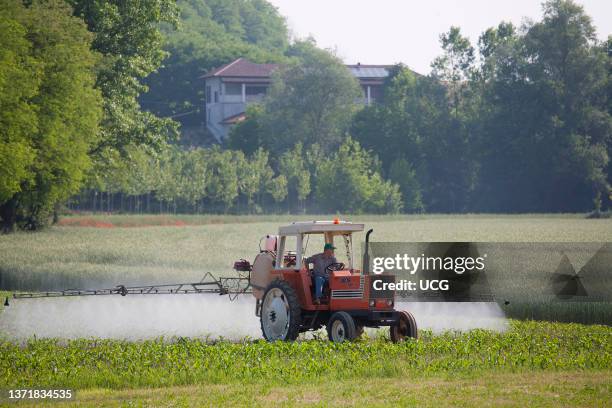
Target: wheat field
pixel 138 250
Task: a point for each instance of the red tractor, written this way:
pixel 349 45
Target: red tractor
pixel 284 288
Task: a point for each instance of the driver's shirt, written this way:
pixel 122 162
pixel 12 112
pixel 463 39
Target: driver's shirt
pixel 320 262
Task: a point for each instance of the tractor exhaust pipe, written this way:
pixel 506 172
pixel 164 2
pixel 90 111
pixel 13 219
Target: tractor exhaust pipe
pixel 366 254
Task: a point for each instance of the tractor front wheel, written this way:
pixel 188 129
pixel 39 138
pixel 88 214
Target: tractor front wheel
pixel 341 327
pixel 406 328
pixel 280 312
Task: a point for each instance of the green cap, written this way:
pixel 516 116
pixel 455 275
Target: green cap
pixel 328 246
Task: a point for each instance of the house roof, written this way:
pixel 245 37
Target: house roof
pixel 242 68
pixel 248 80
pixel 237 118
pixel 369 71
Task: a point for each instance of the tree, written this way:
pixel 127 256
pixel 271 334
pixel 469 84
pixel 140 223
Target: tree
pixel 17 116
pixel 109 176
pixel 254 175
pixel 607 49
pixel 263 25
pixel 194 177
pixel 128 37
pixel 495 47
pixel 455 65
pixel 311 100
pixel 278 188
pixel 259 163
pixel 402 174
pixel 450 169
pixel 248 135
pixel 294 167
pixel 169 190
pixel 348 182
pixel 546 127
pixel 419 142
pixel 223 185
pixel 59 101
pixel 391 127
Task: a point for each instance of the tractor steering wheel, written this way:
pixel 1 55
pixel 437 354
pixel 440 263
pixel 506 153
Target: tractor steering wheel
pixel 337 266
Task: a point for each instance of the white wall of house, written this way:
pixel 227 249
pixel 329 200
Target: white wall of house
pixel 225 99
pixel 220 105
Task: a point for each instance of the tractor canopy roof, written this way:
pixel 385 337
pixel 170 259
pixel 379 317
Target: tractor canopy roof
pixel 336 227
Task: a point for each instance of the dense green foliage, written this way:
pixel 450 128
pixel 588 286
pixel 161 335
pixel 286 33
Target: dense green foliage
pixel 419 142
pixel 127 36
pixel 16 66
pixel 524 127
pixel 49 121
pixel 520 123
pixel 552 76
pixel 348 181
pixel 211 33
pixel 78 66
pixel 82 364
pixel 216 180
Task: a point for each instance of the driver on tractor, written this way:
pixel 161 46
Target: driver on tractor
pixel 321 275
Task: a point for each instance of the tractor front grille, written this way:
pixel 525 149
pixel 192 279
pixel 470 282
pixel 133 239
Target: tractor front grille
pixel 349 293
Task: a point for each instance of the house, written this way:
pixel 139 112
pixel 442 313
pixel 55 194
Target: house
pixel 371 79
pixel 232 87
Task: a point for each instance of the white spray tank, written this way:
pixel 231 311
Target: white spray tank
pixel 263 264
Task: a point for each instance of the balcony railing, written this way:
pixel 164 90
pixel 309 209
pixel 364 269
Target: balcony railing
pixel 238 98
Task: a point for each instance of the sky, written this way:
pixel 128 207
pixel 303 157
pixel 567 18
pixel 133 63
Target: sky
pixel 392 31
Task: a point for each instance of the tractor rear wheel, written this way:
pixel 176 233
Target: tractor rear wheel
pixel 280 312
pixel 341 327
pixel 405 329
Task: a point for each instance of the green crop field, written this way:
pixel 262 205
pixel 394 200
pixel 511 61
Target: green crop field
pixel 530 364
pixel 550 364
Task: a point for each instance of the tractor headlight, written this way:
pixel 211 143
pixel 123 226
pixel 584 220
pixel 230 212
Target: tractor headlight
pixel 372 303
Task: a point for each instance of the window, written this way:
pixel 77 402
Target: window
pixel 256 89
pixel 313 244
pixel 376 92
pixel 290 246
pixel 216 96
pixel 233 89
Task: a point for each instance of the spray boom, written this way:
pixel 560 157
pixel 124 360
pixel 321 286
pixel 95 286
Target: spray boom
pixel 231 286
